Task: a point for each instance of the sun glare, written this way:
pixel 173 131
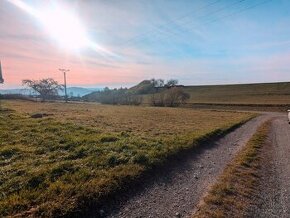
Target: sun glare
pixel 63 26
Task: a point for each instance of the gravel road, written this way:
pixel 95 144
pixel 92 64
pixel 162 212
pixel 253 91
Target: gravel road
pixel 273 195
pixel 176 190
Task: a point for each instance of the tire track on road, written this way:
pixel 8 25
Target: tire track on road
pixel 176 191
pixel 273 194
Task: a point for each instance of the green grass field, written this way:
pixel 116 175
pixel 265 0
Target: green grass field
pixel 252 97
pixel 80 153
pixel 267 93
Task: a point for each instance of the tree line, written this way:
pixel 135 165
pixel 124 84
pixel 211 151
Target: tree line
pixel 157 91
pixel 121 96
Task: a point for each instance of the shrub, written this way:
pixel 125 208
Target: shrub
pixel 171 97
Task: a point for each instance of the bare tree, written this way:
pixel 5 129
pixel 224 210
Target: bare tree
pixel 158 99
pixel 47 88
pixel 171 97
pixel 176 96
pixel 171 83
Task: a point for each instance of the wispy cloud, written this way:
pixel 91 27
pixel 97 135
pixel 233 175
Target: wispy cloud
pixel 154 39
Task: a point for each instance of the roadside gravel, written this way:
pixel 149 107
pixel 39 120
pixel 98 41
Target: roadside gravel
pixel 177 190
pixel 273 193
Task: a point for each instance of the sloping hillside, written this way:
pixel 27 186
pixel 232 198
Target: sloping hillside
pixel 142 88
pixel 263 93
pixel 260 93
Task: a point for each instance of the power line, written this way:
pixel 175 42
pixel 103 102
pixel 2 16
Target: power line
pixel 241 11
pixel 235 13
pixel 141 37
pixel 168 22
pixel 216 12
pixel 239 2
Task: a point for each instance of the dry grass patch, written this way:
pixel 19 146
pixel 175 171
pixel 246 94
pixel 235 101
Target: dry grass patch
pixel 146 122
pixel 232 194
pixel 58 165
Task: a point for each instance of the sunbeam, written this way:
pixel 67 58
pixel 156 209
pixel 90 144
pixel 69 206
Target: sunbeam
pixel 64 27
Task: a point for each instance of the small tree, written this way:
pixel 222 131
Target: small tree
pixel 176 96
pixel 171 83
pixel 171 97
pixel 47 88
pixel 157 82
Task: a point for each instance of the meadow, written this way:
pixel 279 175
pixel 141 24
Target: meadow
pixel 247 97
pixel 78 154
pixel 263 93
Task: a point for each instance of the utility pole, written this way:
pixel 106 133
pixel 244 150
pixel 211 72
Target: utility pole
pixel 1 80
pixel 1 77
pixel 64 77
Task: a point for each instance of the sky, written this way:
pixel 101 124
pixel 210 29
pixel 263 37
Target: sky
pixel 120 43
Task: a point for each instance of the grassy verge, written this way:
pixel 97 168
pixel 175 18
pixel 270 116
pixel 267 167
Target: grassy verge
pixel 241 107
pixel 231 195
pixel 51 167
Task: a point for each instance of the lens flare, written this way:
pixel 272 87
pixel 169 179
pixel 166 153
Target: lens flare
pixel 63 26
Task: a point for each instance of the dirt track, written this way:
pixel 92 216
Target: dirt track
pixel 273 196
pixel 177 190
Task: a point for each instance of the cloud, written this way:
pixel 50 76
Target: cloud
pixel 153 39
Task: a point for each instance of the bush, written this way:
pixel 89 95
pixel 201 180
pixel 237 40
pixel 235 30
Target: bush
pixel 172 97
pixel 116 97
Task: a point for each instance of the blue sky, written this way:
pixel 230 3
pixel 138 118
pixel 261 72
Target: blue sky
pixel 194 41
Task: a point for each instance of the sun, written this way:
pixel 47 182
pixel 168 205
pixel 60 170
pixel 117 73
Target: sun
pixel 65 28
pixel 60 23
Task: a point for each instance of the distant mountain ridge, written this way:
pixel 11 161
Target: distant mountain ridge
pixel 71 91
pixel 79 91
